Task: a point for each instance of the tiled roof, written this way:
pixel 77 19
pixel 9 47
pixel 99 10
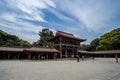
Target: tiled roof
pixel 107 52
pixel 41 50
pixel 100 52
pixel 82 51
pixel 66 35
pixel 11 49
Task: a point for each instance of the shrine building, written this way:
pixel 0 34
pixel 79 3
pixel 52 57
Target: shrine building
pixel 67 44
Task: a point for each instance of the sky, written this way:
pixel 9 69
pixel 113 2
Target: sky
pixel 87 19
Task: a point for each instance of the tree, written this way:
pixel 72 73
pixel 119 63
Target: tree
pixel 23 43
pixel 1 42
pixel 12 40
pixel 3 35
pixel 110 40
pixel 94 44
pixel 10 43
pixel 12 37
pixel 45 35
pixel 85 47
pixel 35 44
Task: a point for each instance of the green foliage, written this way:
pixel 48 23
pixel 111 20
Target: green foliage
pixel 110 40
pixel 12 40
pixel 3 35
pixel 10 43
pixel 35 44
pixel 1 42
pixel 94 44
pixel 23 43
pixel 85 47
pixel 101 47
pixel 45 35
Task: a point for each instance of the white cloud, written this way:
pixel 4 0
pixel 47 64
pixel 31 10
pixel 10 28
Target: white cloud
pixel 86 17
pixel 92 17
pixel 8 17
pixel 61 16
pixel 11 21
pixel 93 13
pixel 24 30
pixel 31 8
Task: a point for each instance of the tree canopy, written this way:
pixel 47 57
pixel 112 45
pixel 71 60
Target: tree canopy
pixel 110 40
pixel 86 47
pixel 94 44
pixel 90 47
pixel 45 35
pixel 12 40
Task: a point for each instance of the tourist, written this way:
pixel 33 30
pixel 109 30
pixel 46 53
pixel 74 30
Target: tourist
pixel 92 57
pixel 116 57
pixel 77 58
pixel 82 58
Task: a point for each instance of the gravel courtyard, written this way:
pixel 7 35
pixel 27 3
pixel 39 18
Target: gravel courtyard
pixel 98 69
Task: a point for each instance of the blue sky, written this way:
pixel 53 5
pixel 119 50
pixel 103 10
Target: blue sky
pixel 88 19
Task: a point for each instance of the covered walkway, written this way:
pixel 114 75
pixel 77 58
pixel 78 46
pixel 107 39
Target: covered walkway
pixel 28 53
pixel 106 54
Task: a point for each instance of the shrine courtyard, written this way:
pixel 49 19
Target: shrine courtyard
pixel 97 69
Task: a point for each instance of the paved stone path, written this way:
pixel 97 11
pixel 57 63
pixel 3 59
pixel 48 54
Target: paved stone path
pixel 98 69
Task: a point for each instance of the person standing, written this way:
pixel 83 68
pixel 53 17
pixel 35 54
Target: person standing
pixel 78 58
pixel 92 57
pixel 116 57
pixel 82 57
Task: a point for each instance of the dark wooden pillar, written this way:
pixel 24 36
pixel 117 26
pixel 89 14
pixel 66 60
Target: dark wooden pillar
pixel 77 52
pixel 8 56
pixel 60 47
pixel 18 56
pixel 46 55
pixel 66 53
pixel 105 56
pixel 73 52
